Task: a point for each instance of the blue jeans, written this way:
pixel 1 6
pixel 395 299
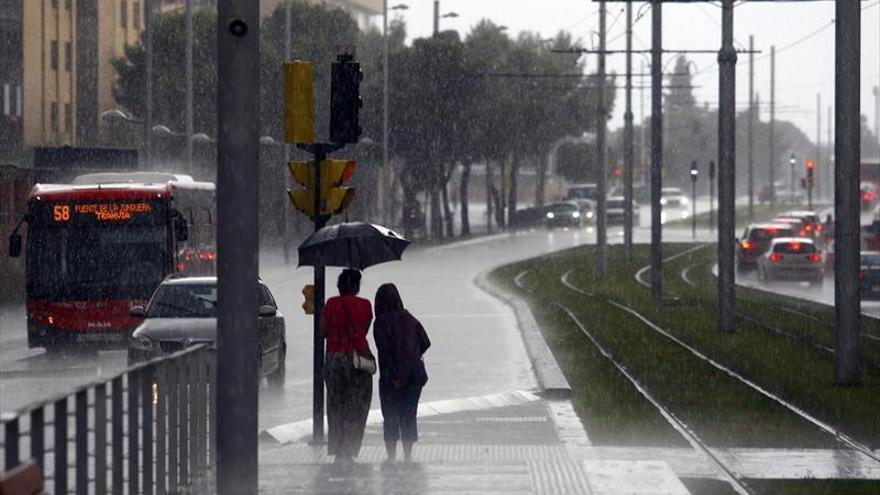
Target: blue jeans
pixel 399 408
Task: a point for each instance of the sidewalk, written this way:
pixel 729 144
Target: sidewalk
pixel 527 446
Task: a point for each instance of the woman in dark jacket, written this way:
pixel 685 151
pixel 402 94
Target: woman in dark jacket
pixel 349 391
pixel 400 342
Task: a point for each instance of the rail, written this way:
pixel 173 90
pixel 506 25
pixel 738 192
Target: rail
pixel 149 429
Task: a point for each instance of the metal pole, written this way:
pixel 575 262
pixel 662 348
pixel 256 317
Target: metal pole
pixel 656 147
pixel 285 228
pixel 148 120
pixel 187 15
pixel 238 83
pixel 436 17
pixel 318 348
pixel 694 207
pixel 818 144
pixel 726 170
pixel 601 262
pixel 384 172
pixel 628 144
pixel 642 148
pixel 847 314
pixel 772 158
pixel 830 175
pixel 751 136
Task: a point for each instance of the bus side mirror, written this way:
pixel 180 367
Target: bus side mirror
pixel 181 232
pixel 15 245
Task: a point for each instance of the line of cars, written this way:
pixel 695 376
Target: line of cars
pixel 796 246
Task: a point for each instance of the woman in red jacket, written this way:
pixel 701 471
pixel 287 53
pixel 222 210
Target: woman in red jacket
pixel 400 342
pixel 349 391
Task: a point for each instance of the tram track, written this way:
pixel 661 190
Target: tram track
pixel 839 436
pixel 734 478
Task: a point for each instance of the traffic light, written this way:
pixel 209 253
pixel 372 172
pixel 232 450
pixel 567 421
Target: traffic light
pixel 303 174
pixel 299 108
pixel 335 196
pixel 811 167
pixel 345 100
pixel 309 304
pixel 695 171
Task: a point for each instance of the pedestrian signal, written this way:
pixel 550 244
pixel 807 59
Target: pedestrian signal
pixel 303 173
pixel 345 100
pixel 335 196
pixel 309 304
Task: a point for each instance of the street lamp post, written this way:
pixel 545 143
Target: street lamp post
pixel 385 94
pixel 793 162
pixel 695 172
pixel 437 16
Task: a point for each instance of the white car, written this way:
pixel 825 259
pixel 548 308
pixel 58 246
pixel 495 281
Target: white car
pixel 792 258
pixel 673 197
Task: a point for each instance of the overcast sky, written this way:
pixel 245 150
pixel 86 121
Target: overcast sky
pixel 802 32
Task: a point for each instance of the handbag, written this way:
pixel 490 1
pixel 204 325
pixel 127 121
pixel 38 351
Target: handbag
pixel 361 361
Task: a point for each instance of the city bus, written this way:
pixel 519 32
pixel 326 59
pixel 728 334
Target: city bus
pixel 100 245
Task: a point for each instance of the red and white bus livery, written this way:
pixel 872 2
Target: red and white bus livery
pixel 100 245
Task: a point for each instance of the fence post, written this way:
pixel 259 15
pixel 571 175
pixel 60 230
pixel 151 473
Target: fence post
pixel 81 445
pixel 161 432
pixel 173 392
pixel 101 438
pixel 38 437
pixel 117 432
pixel 10 450
pixel 133 432
pixel 60 434
pixel 146 382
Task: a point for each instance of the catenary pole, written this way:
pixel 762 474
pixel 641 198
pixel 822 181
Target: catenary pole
pixel 628 144
pixel 148 119
pixel 847 313
pixel 751 135
pixel 818 142
pixel 726 170
pixel 656 147
pixel 285 228
pixel 188 27
pixel 383 174
pixel 601 262
pixel 238 83
pixel 772 137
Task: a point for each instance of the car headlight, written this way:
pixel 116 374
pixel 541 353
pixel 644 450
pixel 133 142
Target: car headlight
pixel 576 214
pixel 663 201
pixel 143 343
pixel 684 200
pixel 590 214
pixel 550 214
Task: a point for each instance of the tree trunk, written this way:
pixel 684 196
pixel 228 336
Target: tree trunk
pixel 447 211
pixel 436 218
pixel 463 197
pixel 489 197
pixel 511 194
pixel 541 180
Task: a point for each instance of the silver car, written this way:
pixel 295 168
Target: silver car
pixel 183 312
pixel 791 258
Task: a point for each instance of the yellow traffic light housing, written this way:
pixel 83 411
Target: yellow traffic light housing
pixel 336 197
pixel 303 173
pixel 309 304
pixel 299 108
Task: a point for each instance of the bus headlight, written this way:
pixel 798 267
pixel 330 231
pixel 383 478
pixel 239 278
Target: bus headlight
pixel 576 214
pixel 143 343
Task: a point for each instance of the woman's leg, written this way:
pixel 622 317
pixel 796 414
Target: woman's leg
pixel 334 377
pixel 390 418
pixel 358 398
pixel 409 432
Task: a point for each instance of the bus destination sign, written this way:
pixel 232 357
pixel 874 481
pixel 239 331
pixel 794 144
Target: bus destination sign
pixel 102 212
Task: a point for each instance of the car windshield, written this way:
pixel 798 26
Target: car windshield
pixel 615 203
pixel 184 301
pixel 766 234
pixel 795 247
pixel 671 192
pixel 563 207
pixel 582 193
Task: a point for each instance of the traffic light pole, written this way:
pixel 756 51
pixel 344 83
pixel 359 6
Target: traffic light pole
pixel 320 150
pixel 726 170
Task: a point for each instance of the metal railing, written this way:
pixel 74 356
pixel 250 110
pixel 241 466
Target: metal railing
pixel 150 429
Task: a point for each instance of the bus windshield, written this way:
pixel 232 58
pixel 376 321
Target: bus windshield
pixel 97 260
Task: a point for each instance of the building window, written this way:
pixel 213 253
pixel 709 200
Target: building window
pixel 68 117
pixel 123 14
pixel 54 55
pixel 54 116
pixel 136 15
pixel 68 56
pixel 7 99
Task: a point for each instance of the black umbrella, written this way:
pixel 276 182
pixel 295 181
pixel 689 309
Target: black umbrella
pixel 351 245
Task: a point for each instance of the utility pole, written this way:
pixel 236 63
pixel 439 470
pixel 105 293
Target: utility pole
pixel 847 311
pixel 818 140
pixel 877 114
pixel 148 120
pixel 188 27
pixel 831 160
pixel 436 17
pixel 751 135
pixel 726 170
pixel 656 147
pixel 238 85
pixel 643 158
pixel 380 197
pixel 600 151
pixel 285 229
pixel 772 137
pixel 628 144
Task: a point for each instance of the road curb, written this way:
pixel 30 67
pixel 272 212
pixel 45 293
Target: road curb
pixel 553 384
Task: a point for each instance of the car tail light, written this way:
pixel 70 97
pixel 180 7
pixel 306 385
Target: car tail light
pixel 814 257
pixel 775 257
pixel 866 197
pixel 795 246
pixel 820 228
pixel 808 228
pixel 746 245
pixel 773 231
